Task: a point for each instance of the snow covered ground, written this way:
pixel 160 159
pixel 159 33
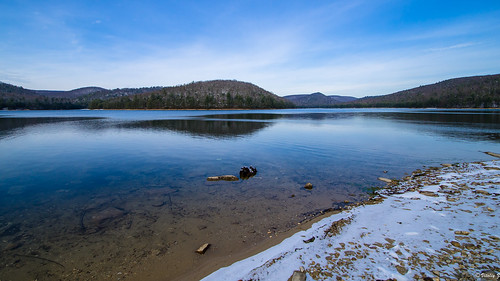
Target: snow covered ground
pixel 437 224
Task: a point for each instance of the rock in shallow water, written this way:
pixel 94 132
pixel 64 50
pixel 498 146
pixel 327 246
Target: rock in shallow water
pixel 308 186
pixel 96 219
pixel 385 180
pixel 106 214
pixel 203 248
pixel 247 172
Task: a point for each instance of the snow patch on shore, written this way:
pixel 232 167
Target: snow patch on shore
pixel 440 224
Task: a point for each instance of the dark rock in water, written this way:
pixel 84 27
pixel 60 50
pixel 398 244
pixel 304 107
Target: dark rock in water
pixel 308 186
pixel 247 172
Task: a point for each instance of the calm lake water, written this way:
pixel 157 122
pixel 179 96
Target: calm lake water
pixel 133 183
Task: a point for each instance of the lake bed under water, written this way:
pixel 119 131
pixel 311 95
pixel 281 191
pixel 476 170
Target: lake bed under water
pixel 107 195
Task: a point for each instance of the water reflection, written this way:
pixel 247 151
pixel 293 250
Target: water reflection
pixel 469 126
pixel 203 128
pixel 456 118
pixel 246 116
pixel 9 125
pixel 466 125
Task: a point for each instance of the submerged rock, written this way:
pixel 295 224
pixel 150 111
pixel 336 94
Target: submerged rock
pixel 106 214
pixel 12 246
pixel 95 220
pixel 247 172
pixel 308 186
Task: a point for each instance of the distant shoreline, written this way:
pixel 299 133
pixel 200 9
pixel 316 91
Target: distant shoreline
pixel 243 109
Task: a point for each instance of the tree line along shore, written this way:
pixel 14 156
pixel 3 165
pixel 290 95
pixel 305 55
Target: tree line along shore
pixel 465 92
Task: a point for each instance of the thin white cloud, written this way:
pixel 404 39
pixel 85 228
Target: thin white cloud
pixel 455 46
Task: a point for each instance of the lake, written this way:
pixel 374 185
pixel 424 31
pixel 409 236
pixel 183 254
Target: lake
pixel 123 195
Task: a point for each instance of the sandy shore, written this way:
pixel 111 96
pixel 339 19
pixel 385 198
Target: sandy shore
pixel 438 224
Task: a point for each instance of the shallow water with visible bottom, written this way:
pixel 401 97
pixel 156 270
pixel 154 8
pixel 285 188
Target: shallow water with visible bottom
pixel 123 195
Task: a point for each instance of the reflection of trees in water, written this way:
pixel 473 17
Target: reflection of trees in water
pixel 460 125
pixel 275 116
pixel 457 118
pixel 246 116
pixel 9 125
pixel 469 125
pixel 321 116
pixel 204 128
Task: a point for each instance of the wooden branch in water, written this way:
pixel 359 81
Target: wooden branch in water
pixel 493 154
pixel 41 258
pixel 159 205
pixel 170 201
pixel 82 225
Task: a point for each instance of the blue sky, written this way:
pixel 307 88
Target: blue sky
pixel 356 48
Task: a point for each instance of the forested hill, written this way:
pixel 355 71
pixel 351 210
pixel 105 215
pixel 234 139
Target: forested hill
pixel 14 97
pixel 216 94
pixel 317 100
pixel 466 92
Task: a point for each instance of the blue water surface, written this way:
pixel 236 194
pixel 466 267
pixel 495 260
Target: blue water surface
pixel 95 190
pixel 82 150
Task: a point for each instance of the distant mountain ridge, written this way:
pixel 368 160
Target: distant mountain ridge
pixel 70 94
pixel 318 100
pixel 465 92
